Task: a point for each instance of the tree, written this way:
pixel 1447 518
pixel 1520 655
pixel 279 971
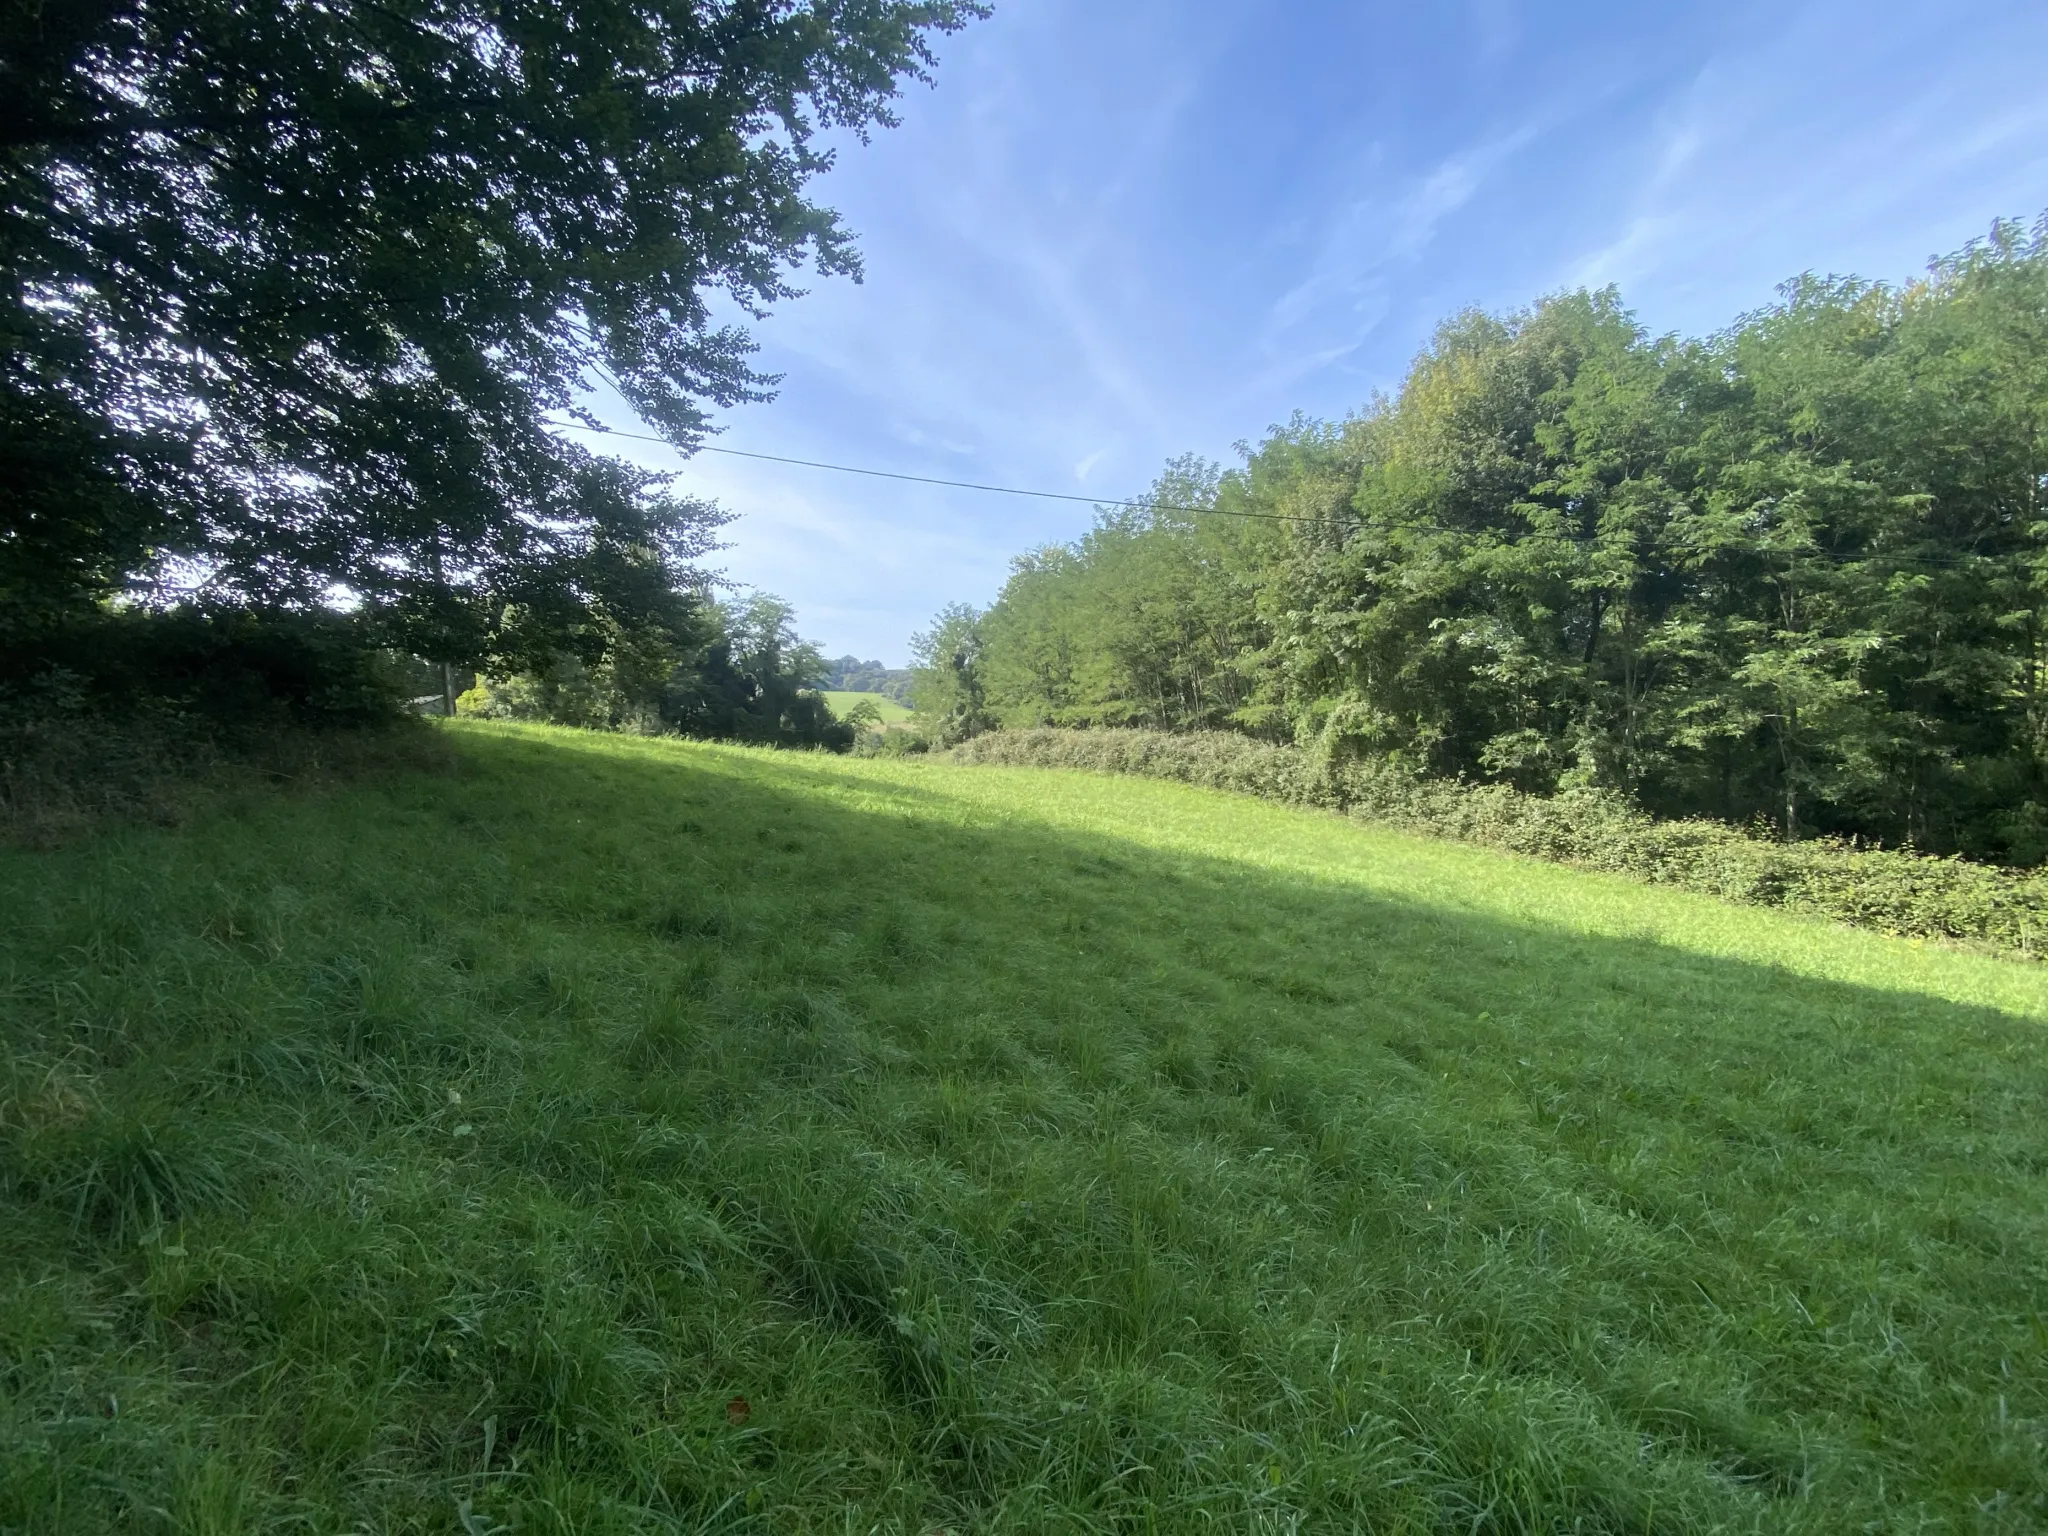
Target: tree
pixel 293 290
pixel 1144 621
pixel 946 685
pixel 759 682
pixel 1797 571
pixel 743 674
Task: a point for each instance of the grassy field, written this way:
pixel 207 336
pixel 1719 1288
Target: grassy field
pixel 615 1135
pixel 893 712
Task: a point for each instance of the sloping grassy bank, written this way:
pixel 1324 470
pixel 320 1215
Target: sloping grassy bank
pixel 627 1135
pixel 892 711
pixel 1894 891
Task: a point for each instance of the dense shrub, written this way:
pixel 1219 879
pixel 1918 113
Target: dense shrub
pixel 891 743
pixel 1893 891
pixel 740 672
pixel 132 712
pixel 234 670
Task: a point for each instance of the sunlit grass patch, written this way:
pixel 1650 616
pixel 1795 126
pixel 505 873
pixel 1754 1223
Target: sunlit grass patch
pixel 892 711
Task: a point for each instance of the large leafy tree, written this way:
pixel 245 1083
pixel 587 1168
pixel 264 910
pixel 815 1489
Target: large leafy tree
pixel 292 289
pixel 946 682
pixel 1795 571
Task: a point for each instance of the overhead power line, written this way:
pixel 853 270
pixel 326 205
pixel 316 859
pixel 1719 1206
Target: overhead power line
pixel 1933 562
pixel 958 485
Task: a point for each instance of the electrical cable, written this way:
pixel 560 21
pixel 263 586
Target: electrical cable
pixel 1936 562
pixel 958 485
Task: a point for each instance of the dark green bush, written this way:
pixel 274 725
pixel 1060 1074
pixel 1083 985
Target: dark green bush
pixel 233 669
pixel 896 743
pixel 128 712
pixel 1893 891
pixel 745 675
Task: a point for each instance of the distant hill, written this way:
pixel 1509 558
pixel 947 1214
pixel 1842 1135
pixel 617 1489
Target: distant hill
pixel 849 674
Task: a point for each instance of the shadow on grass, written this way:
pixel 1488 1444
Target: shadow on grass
pixel 1056 1175
pixel 1746 1176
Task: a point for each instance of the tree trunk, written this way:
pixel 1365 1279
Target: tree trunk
pixel 1789 728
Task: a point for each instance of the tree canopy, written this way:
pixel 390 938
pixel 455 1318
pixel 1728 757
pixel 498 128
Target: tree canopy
pixel 1796 571
pixel 748 676
pixel 293 290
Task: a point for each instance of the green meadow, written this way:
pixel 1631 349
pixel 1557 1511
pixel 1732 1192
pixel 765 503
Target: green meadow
pixel 893 711
pixel 606 1134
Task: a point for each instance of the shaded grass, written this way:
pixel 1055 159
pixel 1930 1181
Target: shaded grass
pixel 64 774
pixel 597 1141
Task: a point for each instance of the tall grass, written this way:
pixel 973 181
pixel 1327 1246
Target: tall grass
pixel 64 774
pixel 636 1136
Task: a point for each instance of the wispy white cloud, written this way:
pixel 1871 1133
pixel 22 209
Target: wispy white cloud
pixel 1115 233
pixel 1622 258
pixel 1373 236
pixel 1496 30
pixel 1830 144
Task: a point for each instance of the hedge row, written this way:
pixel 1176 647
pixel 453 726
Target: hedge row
pixel 143 713
pixel 1899 893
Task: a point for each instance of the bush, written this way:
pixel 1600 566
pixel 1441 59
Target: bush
pixel 233 670
pixel 745 676
pixel 127 713
pixel 891 743
pixel 567 693
pixel 1892 891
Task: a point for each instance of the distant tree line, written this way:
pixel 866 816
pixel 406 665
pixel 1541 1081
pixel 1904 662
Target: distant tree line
pixel 1796 572
pixel 856 676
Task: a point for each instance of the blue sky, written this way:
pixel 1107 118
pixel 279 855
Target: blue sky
pixel 1120 230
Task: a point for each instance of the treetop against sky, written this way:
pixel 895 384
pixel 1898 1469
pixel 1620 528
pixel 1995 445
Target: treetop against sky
pixel 1110 235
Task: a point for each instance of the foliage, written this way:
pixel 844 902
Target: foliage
pixel 134 712
pixel 903 742
pixel 240 669
pixel 1797 571
pixel 1212 759
pixel 597 1139
pixel 292 290
pixel 1899 893
pixel 748 677
pixel 1141 621
pixel 863 714
pixel 946 686
pixel 880 708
